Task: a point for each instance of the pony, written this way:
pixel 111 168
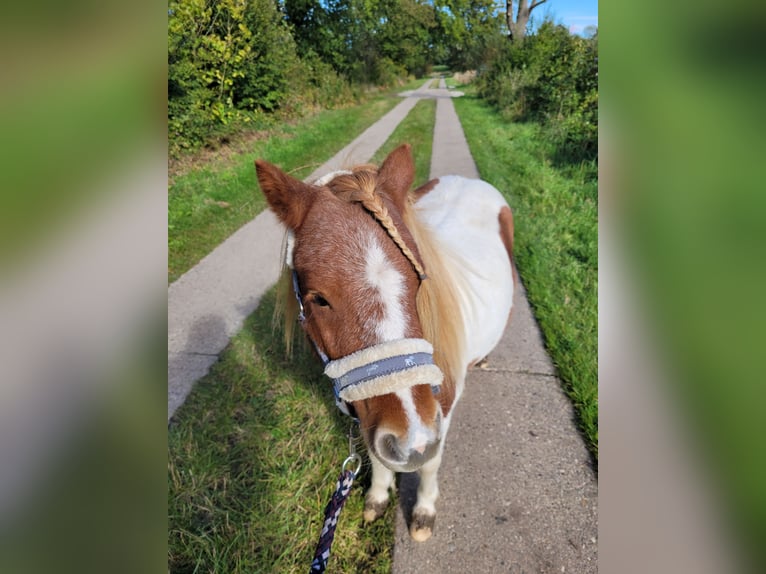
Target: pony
pixel 400 291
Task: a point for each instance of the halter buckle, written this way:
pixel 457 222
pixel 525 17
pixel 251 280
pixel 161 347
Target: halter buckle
pixel 298 298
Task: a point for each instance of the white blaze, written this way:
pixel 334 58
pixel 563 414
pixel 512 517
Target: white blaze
pixel 389 284
pixel 418 435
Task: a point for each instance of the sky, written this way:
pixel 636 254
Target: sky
pixel 574 14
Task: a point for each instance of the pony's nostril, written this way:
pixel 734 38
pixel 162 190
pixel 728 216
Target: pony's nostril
pixel 388 448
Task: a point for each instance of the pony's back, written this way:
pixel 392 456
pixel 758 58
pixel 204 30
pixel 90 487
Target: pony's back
pixel 469 219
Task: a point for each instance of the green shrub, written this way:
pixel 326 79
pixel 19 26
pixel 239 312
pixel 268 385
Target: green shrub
pixel 232 63
pixel 551 77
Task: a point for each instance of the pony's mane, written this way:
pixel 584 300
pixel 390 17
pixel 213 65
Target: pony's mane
pixel 438 304
pixel 437 300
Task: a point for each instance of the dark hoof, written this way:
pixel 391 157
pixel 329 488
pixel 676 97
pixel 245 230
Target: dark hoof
pixel 422 526
pixel 374 510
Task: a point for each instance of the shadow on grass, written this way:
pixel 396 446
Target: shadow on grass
pixel 253 457
pixel 575 161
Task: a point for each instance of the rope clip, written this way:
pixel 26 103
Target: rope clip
pixel 353 456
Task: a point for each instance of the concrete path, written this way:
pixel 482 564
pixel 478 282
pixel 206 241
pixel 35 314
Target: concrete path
pixel 209 304
pixel 517 491
pixel 450 153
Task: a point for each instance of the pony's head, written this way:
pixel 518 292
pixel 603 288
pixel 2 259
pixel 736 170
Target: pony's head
pixel 357 272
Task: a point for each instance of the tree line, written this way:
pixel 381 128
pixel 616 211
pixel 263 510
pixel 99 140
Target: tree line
pixel 234 63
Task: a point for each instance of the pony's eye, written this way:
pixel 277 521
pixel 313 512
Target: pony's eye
pixel 319 300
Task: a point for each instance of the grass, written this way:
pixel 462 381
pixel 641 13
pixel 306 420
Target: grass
pixel 254 454
pixel 417 129
pixel 209 203
pixel 556 243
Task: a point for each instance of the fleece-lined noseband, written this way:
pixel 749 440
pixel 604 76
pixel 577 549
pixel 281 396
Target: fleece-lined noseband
pixel 384 368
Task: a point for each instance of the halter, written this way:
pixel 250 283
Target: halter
pixel 376 370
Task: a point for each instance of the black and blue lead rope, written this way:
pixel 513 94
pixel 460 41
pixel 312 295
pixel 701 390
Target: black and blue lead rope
pixel 331 514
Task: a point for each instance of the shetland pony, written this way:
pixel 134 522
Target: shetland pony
pixel 400 292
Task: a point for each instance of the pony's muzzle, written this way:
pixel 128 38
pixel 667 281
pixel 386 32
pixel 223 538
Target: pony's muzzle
pixel 408 452
pixel 401 456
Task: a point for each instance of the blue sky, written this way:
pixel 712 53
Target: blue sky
pixel 574 14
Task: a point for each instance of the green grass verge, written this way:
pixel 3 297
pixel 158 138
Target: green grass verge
pixel 254 454
pixel 417 129
pixel 556 243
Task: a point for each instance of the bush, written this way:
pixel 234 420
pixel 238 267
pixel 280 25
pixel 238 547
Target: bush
pixel 314 84
pixel 550 77
pixel 231 63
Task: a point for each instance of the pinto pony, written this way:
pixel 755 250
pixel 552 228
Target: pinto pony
pixel 400 292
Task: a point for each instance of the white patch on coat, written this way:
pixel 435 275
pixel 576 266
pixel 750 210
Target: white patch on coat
pixel 389 283
pixel 289 248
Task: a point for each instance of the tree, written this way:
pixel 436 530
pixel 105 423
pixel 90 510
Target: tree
pixel 590 31
pixel 518 29
pixel 405 34
pixel 464 29
pixel 227 60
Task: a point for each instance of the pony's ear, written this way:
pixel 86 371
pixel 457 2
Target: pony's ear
pixel 290 198
pixel 397 174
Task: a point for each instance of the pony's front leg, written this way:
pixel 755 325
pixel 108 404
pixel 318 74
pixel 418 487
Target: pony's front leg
pixel 376 501
pixel 424 513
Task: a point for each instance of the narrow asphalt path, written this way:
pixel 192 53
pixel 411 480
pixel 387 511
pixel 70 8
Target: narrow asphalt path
pixel 518 493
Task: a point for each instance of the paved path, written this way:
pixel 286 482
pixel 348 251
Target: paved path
pixel 517 491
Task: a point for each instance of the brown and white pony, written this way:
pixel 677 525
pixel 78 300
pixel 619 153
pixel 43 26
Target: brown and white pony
pixel 377 266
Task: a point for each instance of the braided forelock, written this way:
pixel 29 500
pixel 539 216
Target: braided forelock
pixel 360 187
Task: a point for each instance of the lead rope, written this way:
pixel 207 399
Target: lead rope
pixel 333 508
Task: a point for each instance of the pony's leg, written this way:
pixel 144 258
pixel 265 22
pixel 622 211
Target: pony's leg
pixel 377 496
pixel 424 513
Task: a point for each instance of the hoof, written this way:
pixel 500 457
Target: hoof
pixel 374 510
pixel 482 364
pixel 422 526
